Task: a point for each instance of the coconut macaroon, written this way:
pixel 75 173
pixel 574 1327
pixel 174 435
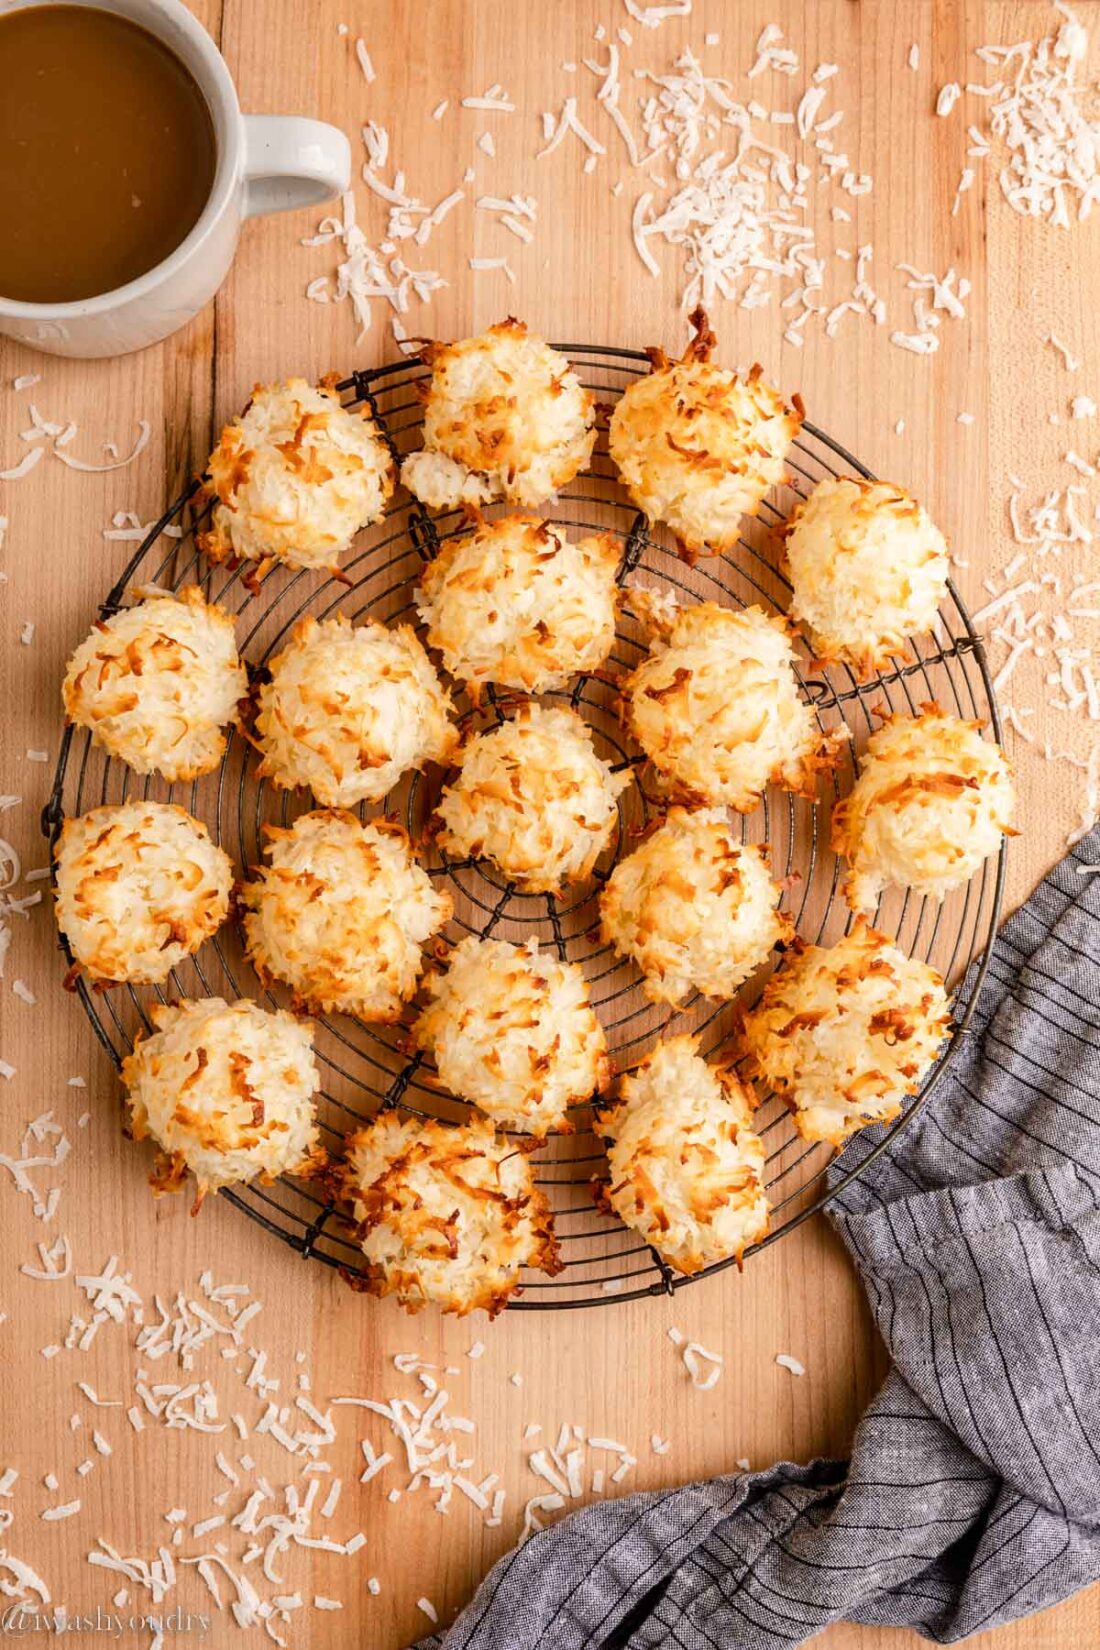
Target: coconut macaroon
pixel 505 416
pixel 226 1092
pixel 294 478
pixel 697 446
pixel 514 1033
pixel 139 886
pixel 517 603
pixel 715 705
pixel 843 1033
pixel 156 683
pixel 695 909
pixel 869 568
pixel 533 797
pixel 933 801
pixel 340 914
pixel 687 1170
pixel 444 1213
pixel 348 711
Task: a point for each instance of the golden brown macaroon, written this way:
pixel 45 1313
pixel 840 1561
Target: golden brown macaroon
pixel 445 1213
pixel 533 797
pixel 294 479
pixel 139 886
pixel 517 603
pixel 686 1168
pixel 157 682
pixel 226 1092
pixel 341 914
pixel 695 908
pixel 698 446
pixel 844 1033
pixel 716 706
pixel 933 801
pixel 505 416
pixel 868 568
pixel 513 1032
pixel 348 711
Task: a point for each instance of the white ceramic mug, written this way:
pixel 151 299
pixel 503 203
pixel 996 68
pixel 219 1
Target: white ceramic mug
pixel 265 163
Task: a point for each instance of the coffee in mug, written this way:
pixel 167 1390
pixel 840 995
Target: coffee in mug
pixel 107 152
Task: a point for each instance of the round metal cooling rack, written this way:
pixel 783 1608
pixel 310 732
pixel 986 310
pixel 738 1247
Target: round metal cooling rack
pixel 365 1067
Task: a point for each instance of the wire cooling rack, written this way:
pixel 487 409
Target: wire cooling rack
pixel 365 1067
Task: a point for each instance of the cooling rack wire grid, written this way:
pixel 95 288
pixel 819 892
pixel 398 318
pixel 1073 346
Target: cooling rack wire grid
pixel 364 1066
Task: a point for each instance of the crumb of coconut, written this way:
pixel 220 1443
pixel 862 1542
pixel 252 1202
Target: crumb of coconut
pixel 785 1361
pixel 696 1358
pixel 1069 360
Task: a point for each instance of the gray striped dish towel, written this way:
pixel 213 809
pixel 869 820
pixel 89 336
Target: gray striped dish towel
pixel 972 1495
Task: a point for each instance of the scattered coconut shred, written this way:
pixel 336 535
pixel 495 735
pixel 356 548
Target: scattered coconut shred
pixel 240 1545
pixel 728 183
pixel 1040 616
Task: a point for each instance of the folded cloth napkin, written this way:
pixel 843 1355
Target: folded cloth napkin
pixel 972 1495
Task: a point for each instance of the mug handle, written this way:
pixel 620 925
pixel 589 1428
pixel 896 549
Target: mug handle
pixel 290 161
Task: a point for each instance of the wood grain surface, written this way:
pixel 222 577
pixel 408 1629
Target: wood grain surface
pixel 613 1371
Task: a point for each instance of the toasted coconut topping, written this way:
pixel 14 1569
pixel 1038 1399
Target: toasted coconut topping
pixel 340 914
pixel 932 801
pixel 715 706
pixel 843 1033
pixel 348 711
pixel 295 477
pixel 505 417
pixel 514 1033
pixel 869 568
pixel 139 887
pixel 687 1171
pixel 697 446
pixel 515 602
pixel 226 1091
pixel 446 1214
pixel 696 909
pixel 532 796
pixel 156 683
